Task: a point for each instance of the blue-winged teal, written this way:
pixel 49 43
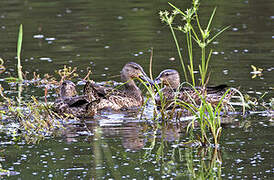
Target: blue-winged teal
pixel 171 80
pixel 114 99
pixel 98 97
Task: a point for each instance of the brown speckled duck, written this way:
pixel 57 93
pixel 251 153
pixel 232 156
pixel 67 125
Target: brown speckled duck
pixel 171 80
pixel 70 103
pixel 98 97
pixel 115 99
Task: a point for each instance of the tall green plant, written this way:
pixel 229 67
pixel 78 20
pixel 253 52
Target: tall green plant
pixel 168 18
pixel 190 18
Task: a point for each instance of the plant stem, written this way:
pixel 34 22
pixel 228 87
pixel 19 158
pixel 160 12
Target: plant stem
pixel 189 44
pixel 203 73
pixel 179 52
pixel 19 46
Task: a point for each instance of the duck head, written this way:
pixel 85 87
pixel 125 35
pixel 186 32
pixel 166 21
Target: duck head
pixel 67 89
pixel 169 77
pixel 133 70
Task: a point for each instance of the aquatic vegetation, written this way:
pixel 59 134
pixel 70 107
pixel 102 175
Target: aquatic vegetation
pixel 36 120
pixel 208 118
pixel 204 104
pixel 191 18
pixel 19 47
pixel 67 73
pixel 259 103
pixel 2 67
pixel 256 71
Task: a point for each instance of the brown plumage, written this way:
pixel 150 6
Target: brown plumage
pixel 171 91
pixel 97 98
pixel 115 99
pixel 70 103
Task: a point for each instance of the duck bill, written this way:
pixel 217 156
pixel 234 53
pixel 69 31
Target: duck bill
pixel 157 81
pixel 146 79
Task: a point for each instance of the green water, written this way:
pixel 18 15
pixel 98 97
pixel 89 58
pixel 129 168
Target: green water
pixel 103 36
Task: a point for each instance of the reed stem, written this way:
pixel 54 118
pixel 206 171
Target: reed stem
pixel 19 46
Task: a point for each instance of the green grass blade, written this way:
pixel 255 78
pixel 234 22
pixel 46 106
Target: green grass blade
pixel 177 9
pixel 211 18
pixel 178 50
pixel 208 59
pixel 19 42
pixel 19 47
pixel 216 35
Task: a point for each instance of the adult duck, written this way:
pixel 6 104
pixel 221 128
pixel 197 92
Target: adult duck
pixel 115 99
pixel 171 80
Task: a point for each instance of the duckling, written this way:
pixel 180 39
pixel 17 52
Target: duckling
pixel 70 103
pixel 114 99
pixel 171 80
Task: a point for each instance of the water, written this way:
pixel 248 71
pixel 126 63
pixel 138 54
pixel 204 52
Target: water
pixel 104 35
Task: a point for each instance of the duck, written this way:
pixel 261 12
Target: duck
pixel 97 97
pixel 115 99
pixel 170 79
pixel 70 103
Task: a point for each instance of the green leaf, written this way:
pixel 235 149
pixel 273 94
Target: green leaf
pixel 19 42
pixel 177 9
pixel 216 35
pixel 211 18
pixel 19 46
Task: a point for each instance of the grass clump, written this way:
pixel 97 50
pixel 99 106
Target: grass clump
pixel 35 119
pixel 202 37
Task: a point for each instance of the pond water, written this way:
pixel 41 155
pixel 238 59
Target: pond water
pixel 103 36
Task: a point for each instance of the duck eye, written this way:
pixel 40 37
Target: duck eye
pixel 135 67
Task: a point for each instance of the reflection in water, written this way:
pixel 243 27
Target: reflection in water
pixel 205 163
pixel 133 135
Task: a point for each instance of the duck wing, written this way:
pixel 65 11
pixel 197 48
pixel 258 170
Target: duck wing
pixel 77 101
pixel 220 89
pixel 96 91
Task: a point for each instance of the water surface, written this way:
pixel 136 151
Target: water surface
pixel 103 36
